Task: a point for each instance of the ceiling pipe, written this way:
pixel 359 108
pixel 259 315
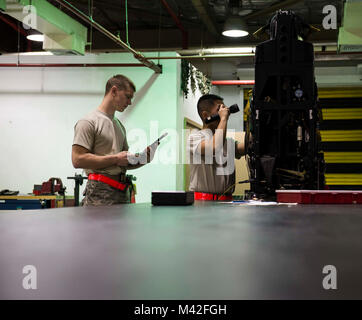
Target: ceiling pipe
pixel 18 29
pixel 209 51
pixel 178 24
pixel 317 45
pixel 236 55
pixel 319 56
pixel 70 65
pixel 137 55
pixel 251 49
pixel 232 82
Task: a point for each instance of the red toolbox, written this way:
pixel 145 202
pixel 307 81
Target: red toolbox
pixel 320 196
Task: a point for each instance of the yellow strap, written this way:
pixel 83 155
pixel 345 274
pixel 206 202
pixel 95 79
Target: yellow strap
pixel 341 135
pixel 343 178
pixel 352 92
pixel 343 157
pixel 342 113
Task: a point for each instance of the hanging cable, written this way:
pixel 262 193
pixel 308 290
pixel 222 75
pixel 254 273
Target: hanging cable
pixel 202 38
pixel 126 9
pixel 138 55
pixel 229 188
pixel 159 32
pixel 90 12
pixel 18 43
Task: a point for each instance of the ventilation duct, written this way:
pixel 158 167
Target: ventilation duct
pixel 350 34
pixel 62 34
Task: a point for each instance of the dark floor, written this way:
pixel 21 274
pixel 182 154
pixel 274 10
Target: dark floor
pixel 204 251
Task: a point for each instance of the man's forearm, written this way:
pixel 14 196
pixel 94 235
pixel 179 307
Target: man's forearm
pixel 220 134
pixel 241 148
pixel 93 162
pixel 134 166
pixel 219 137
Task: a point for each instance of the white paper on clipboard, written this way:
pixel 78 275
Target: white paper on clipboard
pixel 141 157
pixel 157 142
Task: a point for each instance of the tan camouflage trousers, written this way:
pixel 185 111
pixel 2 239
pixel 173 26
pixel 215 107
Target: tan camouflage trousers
pixel 98 193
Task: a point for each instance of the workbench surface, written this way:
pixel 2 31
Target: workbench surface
pixel 204 251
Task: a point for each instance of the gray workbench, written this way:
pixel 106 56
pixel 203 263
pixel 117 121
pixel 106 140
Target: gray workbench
pixel 204 251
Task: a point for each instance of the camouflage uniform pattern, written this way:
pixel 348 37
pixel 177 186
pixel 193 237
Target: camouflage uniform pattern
pixel 98 193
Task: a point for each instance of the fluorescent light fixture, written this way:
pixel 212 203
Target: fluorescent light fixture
pixel 32 53
pixel 235 27
pixel 37 53
pixel 35 35
pixel 234 50
pixel 235 33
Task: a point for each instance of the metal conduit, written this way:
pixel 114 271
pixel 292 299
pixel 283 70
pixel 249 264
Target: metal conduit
pixel 232 82
pixel 73 65
pixel 111 36
pixel 236 55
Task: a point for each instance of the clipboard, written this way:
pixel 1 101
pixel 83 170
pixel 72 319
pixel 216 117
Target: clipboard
pixel 134 159
pixel 157 142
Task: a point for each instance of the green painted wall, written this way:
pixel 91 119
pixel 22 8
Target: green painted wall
pixel 58 97
pixel 156 102
pixel 2 4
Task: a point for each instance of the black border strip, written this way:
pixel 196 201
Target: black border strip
pixel 350 146
pixel 343 167
pixel 340 103
pixel 353 124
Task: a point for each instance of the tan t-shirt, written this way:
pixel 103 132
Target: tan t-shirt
pixel 211 174
pixel 102 136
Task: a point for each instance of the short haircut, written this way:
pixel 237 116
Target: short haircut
pixel 121 82
pixel 206 102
